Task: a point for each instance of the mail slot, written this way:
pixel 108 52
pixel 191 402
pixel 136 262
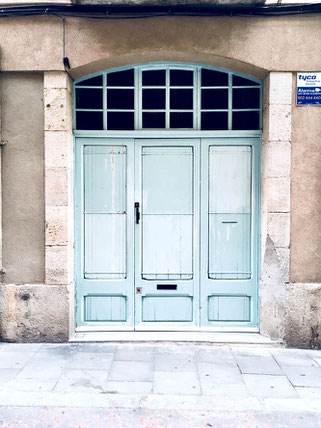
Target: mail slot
pixel 166 286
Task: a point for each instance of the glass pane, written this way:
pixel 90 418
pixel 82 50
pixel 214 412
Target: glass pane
pixel 214 78
pixel 214 99
pixel 246 120
pixel 120 99
pixel 214 121
pixel 154 120
pixel 105 211
pixel 154 98
pixel 240 81
pixel 89 98
pixel 120 120
pixel 181 120
pixel 229 212
pixel 94 81
pixel 167 212
pixel 181 78
pixel 121 78
pixel 246 98
pixel 154 78
pixel 181 99
pixel 89 120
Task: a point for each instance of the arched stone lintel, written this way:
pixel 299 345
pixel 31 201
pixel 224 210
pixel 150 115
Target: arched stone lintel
pixel 134 58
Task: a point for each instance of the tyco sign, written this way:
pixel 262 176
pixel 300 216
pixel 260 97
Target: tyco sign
pixel 308 88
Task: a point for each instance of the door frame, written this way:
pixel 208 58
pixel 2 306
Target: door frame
pixel 255 136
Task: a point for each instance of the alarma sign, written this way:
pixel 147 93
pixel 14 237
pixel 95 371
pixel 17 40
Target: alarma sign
pixel 308 88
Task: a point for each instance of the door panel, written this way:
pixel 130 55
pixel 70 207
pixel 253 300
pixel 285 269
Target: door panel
pixel 167 259
pixel 229 273
pixel 104 244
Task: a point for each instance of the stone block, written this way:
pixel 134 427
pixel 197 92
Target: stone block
pixel 58 149
pixel 303 315
pixel 57 265
pixel 56 186
pixel 58 110
pixel 278 228
pixel 279 122
pixel 278 194
pixel 57 225
pixel 284 262
pixel 280 88
pixel 276 159
pixel 56 80
pixel 34 313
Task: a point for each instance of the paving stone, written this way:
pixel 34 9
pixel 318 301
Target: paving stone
pixel 284 358
pixel 27 385
pixel 49 368
pixel 97 347
pixel 131 371
pixel 129 387
pixel 219 374
pixel 90 360
pixel 318 360
pixel 6 375
pixel 308 393
pixel 233 390
pixel 217 356
pixel 14 360
pixel 135 354
pixel 176 383
pixel 174 362
pixel 258 365
pixel 20 347
pixel 88 381
pixel 303 375
pixel 268 386
pixel 247 351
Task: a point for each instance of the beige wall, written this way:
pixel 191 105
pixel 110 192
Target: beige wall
pixel 23 177
pixel 306 193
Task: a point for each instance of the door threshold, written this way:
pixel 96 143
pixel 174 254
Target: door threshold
pixel 174 336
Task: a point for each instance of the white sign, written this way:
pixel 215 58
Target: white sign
pixel 308 88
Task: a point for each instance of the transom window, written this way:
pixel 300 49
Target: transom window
pixel 167 97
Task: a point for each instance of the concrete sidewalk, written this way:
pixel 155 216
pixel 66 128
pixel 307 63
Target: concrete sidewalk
pixel 184 381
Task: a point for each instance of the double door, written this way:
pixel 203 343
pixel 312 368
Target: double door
pixel 166 233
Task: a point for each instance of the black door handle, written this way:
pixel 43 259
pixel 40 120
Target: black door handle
pixel 137 213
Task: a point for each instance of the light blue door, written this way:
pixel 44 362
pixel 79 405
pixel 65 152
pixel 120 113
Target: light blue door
pixel 167 232
pixel 230 230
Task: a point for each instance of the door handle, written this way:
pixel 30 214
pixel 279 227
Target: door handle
pixel 137 213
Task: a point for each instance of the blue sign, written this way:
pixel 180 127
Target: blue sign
pixel 308 89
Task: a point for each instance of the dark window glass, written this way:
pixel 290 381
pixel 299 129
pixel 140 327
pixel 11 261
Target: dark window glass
pixel 214 78
pixel 89 98
pixel 181 99
pixel 240 81
pixel 246 98
pixel 181 78
pixel 120 99
pixel 181 120
pixel 154 78
pixel 214 99
pixel 120 120
pixel 214 121
pixel 246 120
pixel 89 120
pixel 154 99
pixel 94 81
pixel 153 120
pixel 121 78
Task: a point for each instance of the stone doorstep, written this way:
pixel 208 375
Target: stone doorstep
pixel 175 336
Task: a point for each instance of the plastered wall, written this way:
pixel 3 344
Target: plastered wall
pixel 305 192
pixel 23 177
